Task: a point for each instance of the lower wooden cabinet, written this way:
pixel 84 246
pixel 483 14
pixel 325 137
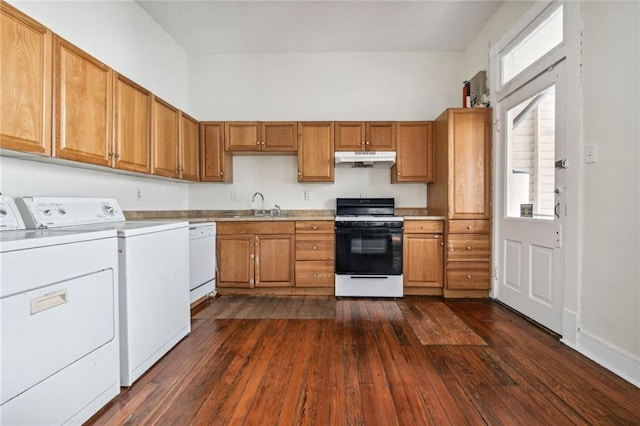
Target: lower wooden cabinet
pixel 315 253
pixel 255 254
pixel 423 256
pixel 468 258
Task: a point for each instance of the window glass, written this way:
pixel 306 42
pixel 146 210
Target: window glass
pixel 531 155
pixel 540 41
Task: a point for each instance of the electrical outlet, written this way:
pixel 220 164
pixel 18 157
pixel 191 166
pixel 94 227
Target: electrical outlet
pixel 591 153
pixel 307 195
pixel 138 194
pixel 363 195
pixel 234 195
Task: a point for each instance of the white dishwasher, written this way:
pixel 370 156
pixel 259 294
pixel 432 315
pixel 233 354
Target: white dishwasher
pixel 202 259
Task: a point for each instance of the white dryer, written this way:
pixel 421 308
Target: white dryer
pixel 153 278
pixel 59 355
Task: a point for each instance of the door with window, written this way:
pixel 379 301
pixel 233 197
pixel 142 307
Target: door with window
pixel 531 116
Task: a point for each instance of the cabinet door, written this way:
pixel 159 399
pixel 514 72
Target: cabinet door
pixel 215 164
pixel 25 67
pixel 235 260
pixel 82 105
pixel 165 139
pixel 315 152
pixel 188 147
pixel 469 163
pixel 414 153
pixel 132 141
pixel 242 136
pixel 274 260
pixel 381 136
pixel 423 259
pixel 278 136
pixel 350 135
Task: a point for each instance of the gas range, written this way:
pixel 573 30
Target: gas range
pixel 368 248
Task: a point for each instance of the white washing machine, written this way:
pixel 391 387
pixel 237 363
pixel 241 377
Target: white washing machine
pixel 59 356
pixel 153 278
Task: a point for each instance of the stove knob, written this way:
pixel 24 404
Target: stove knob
pixel 46 212
pixel 62 211
pixel 3 212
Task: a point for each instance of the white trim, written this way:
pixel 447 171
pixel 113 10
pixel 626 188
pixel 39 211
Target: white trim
pixel 612 358
pixel 570 336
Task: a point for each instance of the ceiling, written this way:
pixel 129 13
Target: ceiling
pixel 213 26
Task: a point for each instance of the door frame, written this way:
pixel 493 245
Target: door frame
pixel 571 50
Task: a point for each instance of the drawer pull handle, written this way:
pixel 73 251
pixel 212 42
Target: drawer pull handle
pixel 468 247
pixel 48 301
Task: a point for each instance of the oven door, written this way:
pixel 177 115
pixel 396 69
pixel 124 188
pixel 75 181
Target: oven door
pixel 368 251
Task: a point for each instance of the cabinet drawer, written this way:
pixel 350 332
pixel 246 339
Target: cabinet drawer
pixel 469 226
pixel 315 247
pixel 468 276
pixel 317 226
pixel 468 247
pixel 274 227
pixel 315 273
pixel 423 227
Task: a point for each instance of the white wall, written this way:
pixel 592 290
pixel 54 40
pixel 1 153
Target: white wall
pixel 610 293
pixel 317 86
pixel 476 56
pixel 124 37
pixel 276 178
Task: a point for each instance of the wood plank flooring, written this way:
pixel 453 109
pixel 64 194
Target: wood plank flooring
pixel 287 361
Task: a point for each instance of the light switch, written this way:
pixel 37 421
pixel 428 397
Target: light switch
pixel 307 195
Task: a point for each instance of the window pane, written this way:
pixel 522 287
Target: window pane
pixel 531 155
pixel 541 40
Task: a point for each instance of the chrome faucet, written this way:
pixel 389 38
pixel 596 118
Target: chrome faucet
pixel 255 212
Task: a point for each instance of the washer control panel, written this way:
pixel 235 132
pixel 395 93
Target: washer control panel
pixel 54 212
pixel 9 215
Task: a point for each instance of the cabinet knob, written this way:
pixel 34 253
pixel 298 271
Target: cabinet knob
pixel 315 247
pixel 441 243
pixel 111 154
pixel 468 277
pixel 398 173
pixel 299 173
pixel 117 155
pixel 315 275
pixel 314 227
pixel 469 227
pixel 468 247
pixel 220 173
pixel 366 143
pixel 363 142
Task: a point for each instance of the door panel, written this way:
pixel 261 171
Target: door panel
pixel 529 276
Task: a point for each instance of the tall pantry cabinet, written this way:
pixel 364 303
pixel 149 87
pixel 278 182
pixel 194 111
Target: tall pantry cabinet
pixel 461 192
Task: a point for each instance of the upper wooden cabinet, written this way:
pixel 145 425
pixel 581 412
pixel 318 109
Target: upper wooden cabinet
pixel 270 136
pixel 132 129
pixel 25 85
pixel 216 165
pixel 365 136
pixel 83 102
pixel 188 148
pixel 165 136
pixel 414 152
pixel 462 177
pixel 315 151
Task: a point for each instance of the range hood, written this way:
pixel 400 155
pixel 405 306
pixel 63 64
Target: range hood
pixel 377 159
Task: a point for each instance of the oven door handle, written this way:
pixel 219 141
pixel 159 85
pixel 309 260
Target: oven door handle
pixel 369 277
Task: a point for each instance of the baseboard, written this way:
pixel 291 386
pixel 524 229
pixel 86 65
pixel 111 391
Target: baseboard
pixel 569 328
pixel 613 359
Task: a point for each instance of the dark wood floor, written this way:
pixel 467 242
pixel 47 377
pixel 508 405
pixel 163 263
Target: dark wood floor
pixel 367 362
